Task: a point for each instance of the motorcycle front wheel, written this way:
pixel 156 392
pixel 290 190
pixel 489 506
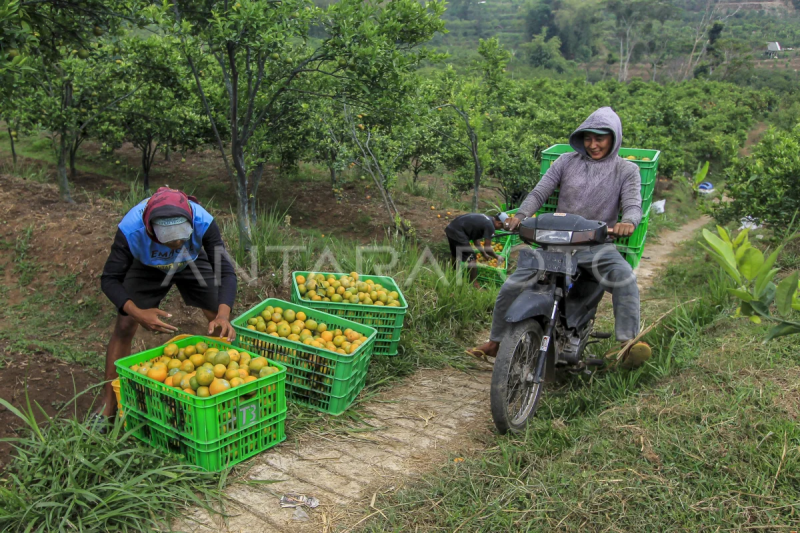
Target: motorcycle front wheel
pixel 514 396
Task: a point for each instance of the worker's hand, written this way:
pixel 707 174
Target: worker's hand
pixel 225 327
pixel 623 229
pixel 149 319
pixel 511 224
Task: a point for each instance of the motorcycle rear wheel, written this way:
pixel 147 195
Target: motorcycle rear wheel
pixel 514 397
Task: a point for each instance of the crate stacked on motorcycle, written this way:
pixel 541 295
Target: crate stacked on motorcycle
pixel 631 247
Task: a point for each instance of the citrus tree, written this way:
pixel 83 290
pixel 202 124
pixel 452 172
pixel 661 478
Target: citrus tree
pixel 764 185
pixel 76 75
pixel 268 62
pixel 164 113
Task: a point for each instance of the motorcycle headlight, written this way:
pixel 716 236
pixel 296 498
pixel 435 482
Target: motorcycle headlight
pixel 584 236
pixel 553 237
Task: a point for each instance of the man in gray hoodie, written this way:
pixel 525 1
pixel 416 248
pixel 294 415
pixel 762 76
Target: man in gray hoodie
pixel 595 183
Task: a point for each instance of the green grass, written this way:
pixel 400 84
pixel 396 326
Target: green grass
pixel 66 477
pixel 704 438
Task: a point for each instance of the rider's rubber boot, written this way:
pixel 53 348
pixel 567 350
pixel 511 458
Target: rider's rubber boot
pixel 638 354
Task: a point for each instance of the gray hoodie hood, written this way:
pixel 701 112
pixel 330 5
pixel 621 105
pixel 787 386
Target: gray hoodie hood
pixel 603 118
pixel 596 190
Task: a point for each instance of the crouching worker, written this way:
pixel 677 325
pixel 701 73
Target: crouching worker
pixel 168 239
pixel 475 227
pixel 597 184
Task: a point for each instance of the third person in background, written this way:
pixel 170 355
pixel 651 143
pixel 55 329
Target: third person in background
pixel 477 228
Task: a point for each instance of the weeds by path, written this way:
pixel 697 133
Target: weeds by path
pixel 698 440
pixel 66 477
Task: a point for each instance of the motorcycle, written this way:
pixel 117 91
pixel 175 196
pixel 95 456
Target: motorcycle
pixel 552 319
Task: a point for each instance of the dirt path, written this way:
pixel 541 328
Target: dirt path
pixel 416 425
pixel 657 255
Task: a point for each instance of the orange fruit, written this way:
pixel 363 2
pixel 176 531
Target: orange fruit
pixel 176 379
pixel 222 358
pixel 198 359
pixel 235 382
pixel 204 376
pixel 218 385
pixel 171 350
pixel 327 336
pixel 248 379
pixel 219 370
pixel 201 347
pixel 187 390
pixel 190 351
pixel 168 381
pixel 300 280
pixel 257 364
pixel 235 355
pixel 244 358
pixel 284 331
pixel 231 373
pixel 159 374
pixel 210 354
pixel 300 316
pixel 202 392
pixel 185 381
pixel 243 373
pixel 187 367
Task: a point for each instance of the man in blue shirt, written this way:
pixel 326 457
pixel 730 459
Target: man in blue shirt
pixel 168 239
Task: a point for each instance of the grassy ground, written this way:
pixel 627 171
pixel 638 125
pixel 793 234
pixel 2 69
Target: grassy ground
pixel 703 439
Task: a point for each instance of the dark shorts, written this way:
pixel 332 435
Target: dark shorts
pixel 147 286
pixel 461 251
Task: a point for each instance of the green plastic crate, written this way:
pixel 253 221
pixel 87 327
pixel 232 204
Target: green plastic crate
pixel 632 255
pixel 388 321
pixel 647 169
pixel 638 237
pixel 316 377
pixel 496 276
pixel 201 420
pixel 214 456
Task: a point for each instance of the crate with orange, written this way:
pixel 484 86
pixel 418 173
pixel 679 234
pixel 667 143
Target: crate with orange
pixel 205 394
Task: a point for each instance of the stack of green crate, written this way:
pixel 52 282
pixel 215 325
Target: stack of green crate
pixel 214 432
pixel 631 247
pixel 388 321
pixel 319 378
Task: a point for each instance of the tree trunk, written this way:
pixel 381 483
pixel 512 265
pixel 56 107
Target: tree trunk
pixel 146 168
pixel 255 180
pixel 476 186
pixel 13 149
pixel 73 151
pixel 243 216
pixel 621 59
pixel 166 154
pixel 63 181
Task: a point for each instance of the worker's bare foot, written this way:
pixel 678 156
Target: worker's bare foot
pixel 485 350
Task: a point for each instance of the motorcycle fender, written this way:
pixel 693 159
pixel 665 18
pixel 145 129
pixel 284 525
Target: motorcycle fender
pixel 532 303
